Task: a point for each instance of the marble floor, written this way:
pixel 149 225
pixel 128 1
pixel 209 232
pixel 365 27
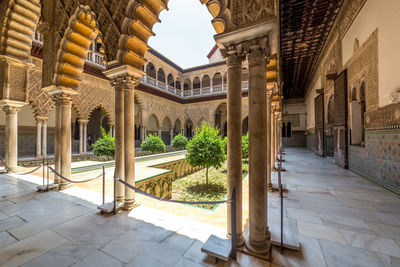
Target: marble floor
pixel 342 220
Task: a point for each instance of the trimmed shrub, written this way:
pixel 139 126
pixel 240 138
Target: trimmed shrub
pixel 104 146
pixel 179 141
pixel 205 149
pixel 153 143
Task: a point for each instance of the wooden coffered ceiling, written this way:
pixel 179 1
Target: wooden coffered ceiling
pixel 304 27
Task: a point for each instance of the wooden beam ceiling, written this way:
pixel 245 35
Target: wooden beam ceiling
pixel 304 27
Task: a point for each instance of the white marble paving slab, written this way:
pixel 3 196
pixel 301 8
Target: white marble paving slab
pixel 321 232
pixel 373 243
pixel 22 251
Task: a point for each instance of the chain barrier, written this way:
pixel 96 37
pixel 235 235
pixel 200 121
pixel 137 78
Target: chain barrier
pixel 18 173
pixel 72 181
pixel 170 200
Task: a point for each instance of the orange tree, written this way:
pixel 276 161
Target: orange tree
pixel 205 149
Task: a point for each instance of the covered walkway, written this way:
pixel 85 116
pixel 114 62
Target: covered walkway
pixel 342 219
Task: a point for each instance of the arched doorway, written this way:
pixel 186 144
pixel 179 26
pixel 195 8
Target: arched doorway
pixel 221 118
pixel 97 120
pixel 152 125
pixel 166 131
pixel 245 125
pixel 189 128
pixel 177 127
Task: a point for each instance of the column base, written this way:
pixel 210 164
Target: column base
pixel 130 204
pixel 239 239
pixel 120 199
pixel 261 250
pixel 63 186
pixel 270 188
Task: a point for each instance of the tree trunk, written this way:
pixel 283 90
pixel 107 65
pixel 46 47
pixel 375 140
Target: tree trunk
pixel 207 176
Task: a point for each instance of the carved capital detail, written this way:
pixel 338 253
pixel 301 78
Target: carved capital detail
pixel 125 82
pixel 257 51
pixel 62 100
pixel 9 109
pixel 233 54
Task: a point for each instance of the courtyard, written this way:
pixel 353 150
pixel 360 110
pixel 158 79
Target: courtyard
pixel 342 220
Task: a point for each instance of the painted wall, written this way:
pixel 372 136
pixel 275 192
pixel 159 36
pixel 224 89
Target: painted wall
pixel 384 16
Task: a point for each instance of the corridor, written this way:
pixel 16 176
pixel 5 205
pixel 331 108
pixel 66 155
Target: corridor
pixel 343 219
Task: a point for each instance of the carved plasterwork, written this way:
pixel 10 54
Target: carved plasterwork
pixel 95 93
pixel 38 98
pixel 363 67
pixel 249 12
pixel 388 116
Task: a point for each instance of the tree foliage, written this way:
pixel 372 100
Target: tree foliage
pixel 104 146
pixel 153 143
pixel 225 145
pixel 205 149
pixel 179 141
pixel 245 145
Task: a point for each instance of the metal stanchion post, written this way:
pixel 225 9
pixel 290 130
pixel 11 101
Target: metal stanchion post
pixel 115 195
pixel 233 224
pixel 104 185
pixel 43 171
pixel 281 196
pixel 48 174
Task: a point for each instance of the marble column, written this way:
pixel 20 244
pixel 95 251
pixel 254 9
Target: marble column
pixel 268 137
pixel 119 138
pixel 171 136
pixel 159 133
pixel 277 136
pixel 129 136
pixel 80 137
pixel 258 239
pixel 85 137
pixel 57 140
pixel 272 139
pixel 44 138
pixel 38 138
pixel 65 140
pixel 234 124
pixel 11 135
pixel 143 133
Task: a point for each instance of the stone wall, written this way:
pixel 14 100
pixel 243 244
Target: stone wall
pixel 298 139
pixel 161 185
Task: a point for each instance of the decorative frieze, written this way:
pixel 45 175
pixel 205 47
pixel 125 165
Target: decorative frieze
pixel 384 117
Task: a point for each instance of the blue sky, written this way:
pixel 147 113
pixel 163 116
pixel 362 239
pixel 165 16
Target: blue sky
pixel 185 34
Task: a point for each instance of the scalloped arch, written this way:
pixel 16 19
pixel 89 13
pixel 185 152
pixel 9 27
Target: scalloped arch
pixel 17 25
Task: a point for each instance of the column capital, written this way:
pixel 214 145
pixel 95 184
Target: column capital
pixel 125 82
pixel 82 121
pixel 41 119
pixel 10 106
pixel 62 99
pixel 257 50
pixel 233 54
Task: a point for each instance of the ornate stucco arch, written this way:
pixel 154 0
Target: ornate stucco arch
pixel 102 108
pixel 17 25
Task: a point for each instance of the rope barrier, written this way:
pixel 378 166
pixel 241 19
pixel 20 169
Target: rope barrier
pixel 71 181
pixel 19 173
pixel 170 200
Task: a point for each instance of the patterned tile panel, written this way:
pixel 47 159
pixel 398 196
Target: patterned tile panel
pixel 379 159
